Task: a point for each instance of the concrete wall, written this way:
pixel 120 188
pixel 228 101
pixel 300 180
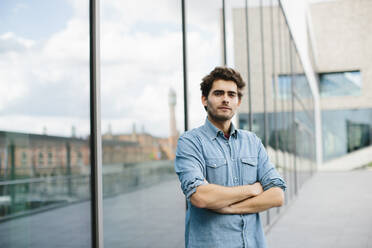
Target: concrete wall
pixel 342 36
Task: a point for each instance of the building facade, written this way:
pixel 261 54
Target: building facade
pixel 343 63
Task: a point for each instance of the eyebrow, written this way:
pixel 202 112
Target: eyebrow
pixel 222 91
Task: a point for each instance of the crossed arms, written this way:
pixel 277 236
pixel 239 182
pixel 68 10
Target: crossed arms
pixel 242 199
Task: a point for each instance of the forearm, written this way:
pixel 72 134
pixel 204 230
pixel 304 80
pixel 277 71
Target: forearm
pixel 273 197
pixel 213 196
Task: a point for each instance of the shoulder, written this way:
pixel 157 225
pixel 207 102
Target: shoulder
pixel 190 142
pixel 247 135
pixel 193 135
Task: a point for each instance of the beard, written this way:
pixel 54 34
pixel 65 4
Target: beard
pixel 218 117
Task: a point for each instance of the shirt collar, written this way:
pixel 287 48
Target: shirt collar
pixel 214 131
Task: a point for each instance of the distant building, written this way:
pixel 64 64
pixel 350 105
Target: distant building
pixel 38 155
pixel 151 147
pixel 34 155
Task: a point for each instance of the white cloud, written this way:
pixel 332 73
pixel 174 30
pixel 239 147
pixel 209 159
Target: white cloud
pixel 59 126
pixel 9 42
pixel 46 81
pixel 141 58
pixel 12 81
pixel 18 7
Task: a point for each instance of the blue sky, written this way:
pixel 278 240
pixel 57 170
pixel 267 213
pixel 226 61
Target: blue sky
pixel 33 19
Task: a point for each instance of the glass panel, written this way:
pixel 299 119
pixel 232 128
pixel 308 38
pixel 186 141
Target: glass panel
pixel 257 73
pixel 345 131
pixel 236 39
pixel 235 24
pixel 142 116
pixel 284 85
pixel 285 133
pixel 340 84
pixel 304 123
pixel 269 56
pixel 204 50
pixel 44 123
pixel 280 47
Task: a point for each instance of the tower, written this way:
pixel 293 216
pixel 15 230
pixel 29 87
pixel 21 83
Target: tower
pixel 173 134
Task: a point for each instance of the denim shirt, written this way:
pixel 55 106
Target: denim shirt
pixel 205 153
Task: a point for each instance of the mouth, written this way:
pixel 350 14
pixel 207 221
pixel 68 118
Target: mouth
pixel 224 108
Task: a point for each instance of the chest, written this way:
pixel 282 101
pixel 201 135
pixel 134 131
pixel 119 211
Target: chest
pixel 230 162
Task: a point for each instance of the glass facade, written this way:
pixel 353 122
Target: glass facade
pixel 45 115
pixel 278 105
pixel 205 44
pixel 44 123
pixel 142 108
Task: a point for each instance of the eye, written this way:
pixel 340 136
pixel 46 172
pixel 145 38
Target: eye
pixel 218 93
pixel 232 94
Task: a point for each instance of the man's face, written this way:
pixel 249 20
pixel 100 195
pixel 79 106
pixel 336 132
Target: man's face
pixel 222 100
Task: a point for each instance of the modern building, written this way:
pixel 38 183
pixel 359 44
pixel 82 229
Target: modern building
pixel 343 62
pixel 340 58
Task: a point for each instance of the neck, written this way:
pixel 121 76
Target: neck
pixel 222 125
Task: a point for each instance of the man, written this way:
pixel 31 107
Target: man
pixel 225 173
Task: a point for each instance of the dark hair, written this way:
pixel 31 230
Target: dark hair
pixel 224 73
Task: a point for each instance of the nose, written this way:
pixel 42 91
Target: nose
pixel 225 98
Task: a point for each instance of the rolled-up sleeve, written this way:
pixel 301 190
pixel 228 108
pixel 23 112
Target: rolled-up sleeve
pixel 268 176
pixel 189 165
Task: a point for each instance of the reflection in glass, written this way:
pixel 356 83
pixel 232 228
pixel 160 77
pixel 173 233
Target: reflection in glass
pixel 204 50
pixel 340 84
pixel 44 124
pixel 275 64
pixel 345 131
pixel 302 88
pixel 142 115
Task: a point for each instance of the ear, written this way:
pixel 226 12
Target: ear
pixel 204 101
pixel 239 101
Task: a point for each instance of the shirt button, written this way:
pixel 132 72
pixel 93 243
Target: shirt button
pixel 214 165
pixel 235 179
pixel 232 159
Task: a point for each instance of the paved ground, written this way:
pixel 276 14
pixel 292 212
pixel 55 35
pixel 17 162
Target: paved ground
pixel 153 217
pixel 150 217
pixel 333 209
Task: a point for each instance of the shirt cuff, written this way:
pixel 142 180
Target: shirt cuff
pixel 276 182
pixel 189 187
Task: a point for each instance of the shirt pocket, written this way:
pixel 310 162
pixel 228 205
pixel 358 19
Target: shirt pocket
pixel 217 171
pixel 248 167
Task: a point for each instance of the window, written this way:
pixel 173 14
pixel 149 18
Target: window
pixel 50 158
pixel 301 86
pixel 340 84
pixel 41 159
pixel 24 158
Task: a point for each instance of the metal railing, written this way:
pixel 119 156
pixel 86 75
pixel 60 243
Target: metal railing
pixel 29 195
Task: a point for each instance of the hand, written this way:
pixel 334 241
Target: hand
pixel 256 189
